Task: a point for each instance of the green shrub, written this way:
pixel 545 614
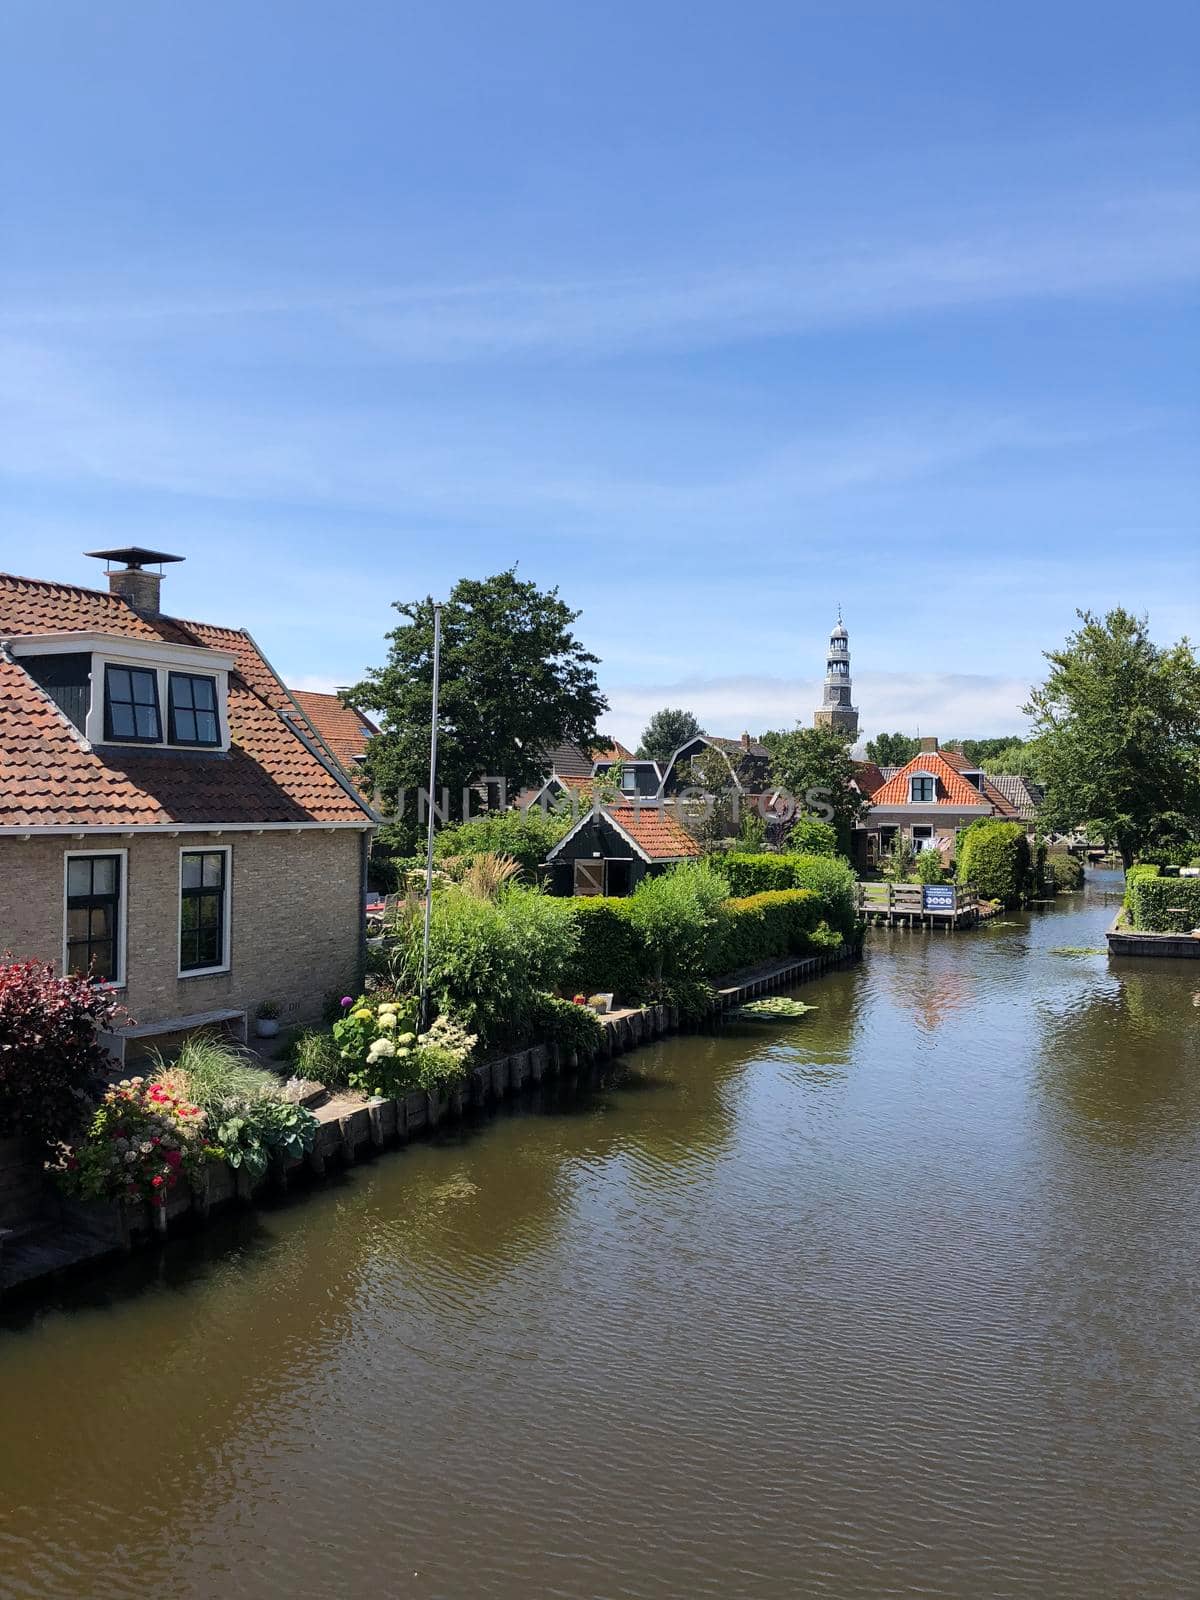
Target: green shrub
pixel 526 835
pixel 610 957
pixel 995 858
pixel 248 1117
pixel 827 875
pixel 809 836
pixel 759 927
pixel 929 866
pixel 313 1055
pixel 1149 899
pixel 1064 870
pixel 563 1022
pixel 488 959
pixel 1176 855
pixel 675 914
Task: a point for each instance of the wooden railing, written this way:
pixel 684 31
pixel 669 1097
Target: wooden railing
pixel 909 898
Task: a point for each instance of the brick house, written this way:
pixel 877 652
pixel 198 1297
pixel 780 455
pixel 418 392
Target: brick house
pixel 928 800
pixel 168 818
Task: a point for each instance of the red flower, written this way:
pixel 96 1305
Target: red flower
pixel 156 1183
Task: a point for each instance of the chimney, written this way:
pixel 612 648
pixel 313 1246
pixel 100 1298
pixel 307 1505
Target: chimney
pixel 139 589
pixel 928 746
pixel 745 741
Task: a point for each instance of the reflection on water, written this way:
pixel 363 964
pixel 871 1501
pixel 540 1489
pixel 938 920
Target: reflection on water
pixel 895 1299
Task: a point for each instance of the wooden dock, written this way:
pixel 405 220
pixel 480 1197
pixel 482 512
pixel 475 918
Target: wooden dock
pixel 919 905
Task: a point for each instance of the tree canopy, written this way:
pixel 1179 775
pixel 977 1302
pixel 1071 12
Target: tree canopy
pixel 1118 728
pixel 665 732
pixel 515 682
pixel 892 749
pixel 815 767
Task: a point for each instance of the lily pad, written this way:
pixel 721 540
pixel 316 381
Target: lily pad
pixel 1077 950
pixel 777 1009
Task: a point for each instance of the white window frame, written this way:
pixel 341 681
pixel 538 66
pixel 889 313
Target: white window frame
pixel 122 978
pixel 922 836
pixel 912 778
pixel 226 912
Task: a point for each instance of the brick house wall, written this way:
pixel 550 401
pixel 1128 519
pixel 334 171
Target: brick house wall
pixel 294 926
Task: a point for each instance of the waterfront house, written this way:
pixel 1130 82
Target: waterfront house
pixel 928 800
pixel 610 850
pixel 169 821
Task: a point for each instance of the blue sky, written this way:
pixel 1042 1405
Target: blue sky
pixel 715 316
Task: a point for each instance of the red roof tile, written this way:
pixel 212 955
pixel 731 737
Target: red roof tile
pixel 343 729
pixel 655 832
pixel 51 777
pixel 951 788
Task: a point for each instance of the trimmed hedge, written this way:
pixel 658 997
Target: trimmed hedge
pixel 758 927
pixel 995 857
pixel 1148 897
pixel 1064 869
pixel 609 959
pixel 828 876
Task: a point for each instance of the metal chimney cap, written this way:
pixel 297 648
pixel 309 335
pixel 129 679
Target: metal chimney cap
pixel 134 557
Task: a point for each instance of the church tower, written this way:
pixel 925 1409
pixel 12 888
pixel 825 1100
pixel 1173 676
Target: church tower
pixel 836 710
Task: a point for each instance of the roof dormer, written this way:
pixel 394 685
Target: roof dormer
pixel 922 787
pixel 122 691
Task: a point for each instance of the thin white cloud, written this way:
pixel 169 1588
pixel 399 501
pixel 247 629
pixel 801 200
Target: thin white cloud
pixel 946 704
pixel 1076 247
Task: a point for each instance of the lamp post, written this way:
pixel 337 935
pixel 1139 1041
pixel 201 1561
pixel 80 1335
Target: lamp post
pixel 433 744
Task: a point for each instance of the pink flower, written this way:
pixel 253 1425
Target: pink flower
pixel 156 1183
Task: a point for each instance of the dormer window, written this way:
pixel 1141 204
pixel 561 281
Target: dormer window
pixel 131 705
pixel 192 709
pixel 975 779
pixel 922 788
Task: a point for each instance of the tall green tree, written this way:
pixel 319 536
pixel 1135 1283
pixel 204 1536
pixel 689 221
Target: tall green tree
pixel 815 768
pixel 515 682
pixel 665 732
pixel 1118 725
pixel 892 749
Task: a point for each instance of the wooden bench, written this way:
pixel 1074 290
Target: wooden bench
pixel 115 1043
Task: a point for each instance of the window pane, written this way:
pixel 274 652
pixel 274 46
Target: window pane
pixel 118 683
pixel 204 694
pixel 77 926
pixel 100 927
pixel 123 725
pixel 77 956
pixel 192 869
pixel 187 914
pixel 213 871
pixel 209 910
pixel 206 727
pixel 147 722
pixel 79 877
pixel 185 726
pixel 102 961
pixel 143 688
pixel 209 951
pixel 104 875
pixel 181 690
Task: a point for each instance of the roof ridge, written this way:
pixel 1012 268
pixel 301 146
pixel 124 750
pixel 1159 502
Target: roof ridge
pixel 107 594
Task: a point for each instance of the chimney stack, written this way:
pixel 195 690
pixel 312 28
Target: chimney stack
pixel 928 746
pixel 139 589
pixel 745 741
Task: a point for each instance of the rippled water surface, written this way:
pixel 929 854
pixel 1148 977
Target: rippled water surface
pixel 899 1299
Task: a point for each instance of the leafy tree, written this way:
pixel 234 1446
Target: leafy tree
pixel 1022 756
pixel 814 766
pixel 665 732
pixel 1118 724
pixel 892 749
pixel 514 682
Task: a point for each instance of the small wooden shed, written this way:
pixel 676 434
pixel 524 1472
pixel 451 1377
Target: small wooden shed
pixel 612 848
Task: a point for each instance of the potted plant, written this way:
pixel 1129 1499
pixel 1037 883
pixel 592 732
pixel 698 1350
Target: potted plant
pixel 266 1019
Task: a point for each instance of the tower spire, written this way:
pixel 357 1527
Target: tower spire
pixel 836 710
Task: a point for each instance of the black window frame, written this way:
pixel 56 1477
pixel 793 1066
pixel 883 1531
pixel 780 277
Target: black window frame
pixel 172 710
pixel 90 902
pixel 921 780
pixel 201 893
pixel 130 738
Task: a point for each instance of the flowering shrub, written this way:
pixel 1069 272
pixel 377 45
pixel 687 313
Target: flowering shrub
pixel 48 1049
pixel 385 1057
pixel 250 1115
pixel 142 1138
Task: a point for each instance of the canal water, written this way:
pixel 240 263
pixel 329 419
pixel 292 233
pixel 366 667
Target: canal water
pixel 895 1300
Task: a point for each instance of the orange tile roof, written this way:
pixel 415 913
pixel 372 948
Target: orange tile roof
pixel 951 788
pixel 51 777
pixel 343 729
pixel 868 777
pixel 613 750
pixel 656 833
